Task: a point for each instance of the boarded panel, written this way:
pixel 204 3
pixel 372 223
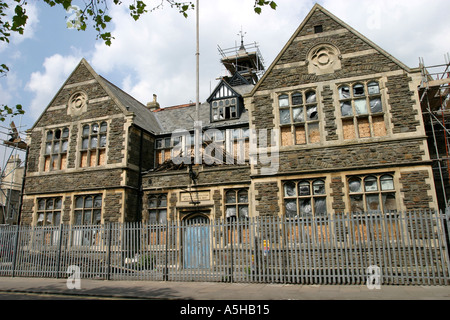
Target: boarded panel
pixel 83 162
pixel 379 128
pixel 313 133
pixel 102 157
pixel 349 129
pixel 286 136
pixel 363 127
pixel 300 136
pixel 63 161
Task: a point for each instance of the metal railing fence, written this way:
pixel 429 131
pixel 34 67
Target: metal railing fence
pixel 403 247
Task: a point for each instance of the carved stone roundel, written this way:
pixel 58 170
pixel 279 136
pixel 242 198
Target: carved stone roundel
pixel 78 100
pixel 324 59
pixel 77 103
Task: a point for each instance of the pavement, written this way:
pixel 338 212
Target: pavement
pixel 211 291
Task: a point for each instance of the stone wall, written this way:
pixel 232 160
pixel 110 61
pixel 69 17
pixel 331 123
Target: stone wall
pixel 266 197
pixel 415 189
pixel 404 116
pixel 356 156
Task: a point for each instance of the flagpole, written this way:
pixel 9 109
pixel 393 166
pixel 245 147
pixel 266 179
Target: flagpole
pixel 197 101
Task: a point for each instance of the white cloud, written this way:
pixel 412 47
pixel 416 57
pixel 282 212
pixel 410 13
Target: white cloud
pixel 29 31
pixel 44 85
pixel 406 29
pixel 159 50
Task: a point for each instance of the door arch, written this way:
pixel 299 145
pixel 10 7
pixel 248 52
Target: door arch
pixel 196 242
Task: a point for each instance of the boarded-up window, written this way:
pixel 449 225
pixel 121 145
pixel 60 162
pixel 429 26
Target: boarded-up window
pixel 362 110
pixel 299 118
pixel 55 150
pixel 93 144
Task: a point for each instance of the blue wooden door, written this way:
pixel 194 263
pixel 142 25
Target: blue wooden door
pixel 196 244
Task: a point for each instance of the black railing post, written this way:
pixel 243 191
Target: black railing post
pixel 108 252
pixel 58 268
pixel 166 267
pixel 16 247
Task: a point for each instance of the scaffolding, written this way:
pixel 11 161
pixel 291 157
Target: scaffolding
pixel 435 103
pixel 12 166
pixel 245 59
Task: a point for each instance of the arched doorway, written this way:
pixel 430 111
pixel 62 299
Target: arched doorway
pixel 196 242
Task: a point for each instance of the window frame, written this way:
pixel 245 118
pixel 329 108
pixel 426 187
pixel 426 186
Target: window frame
pixel 55 160
pixel 221 105
pixel 93 209
pixel 298 197
pixel 158 209
pixel 364 193
pixel 45 211
pixel 359 119
pixel 301 128
pixel 95 156
pixel 237 204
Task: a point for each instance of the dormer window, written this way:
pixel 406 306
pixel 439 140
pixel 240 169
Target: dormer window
pixel 224 109
pixel 225 102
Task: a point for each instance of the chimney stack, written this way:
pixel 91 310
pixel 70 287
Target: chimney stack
pixel 154 105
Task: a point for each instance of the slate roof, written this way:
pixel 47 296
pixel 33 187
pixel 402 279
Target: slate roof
pixel 144 118
pixel 183 116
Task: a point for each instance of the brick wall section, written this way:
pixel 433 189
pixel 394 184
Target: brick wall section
pixel 116 141
pixel 112 206
pixel 414 189
pixel 217 197
pixel 328 110
pixel 71 154
pixel 180 178
pixel 262 115
pixel 27 209
pixel 173 203
pixel 134 141
pixel 34 152
pixel 337 194
pixel 83 180
pixel 81 73
pixel 67 203
pixel 404 116
pixel 266 197
pixel 352 156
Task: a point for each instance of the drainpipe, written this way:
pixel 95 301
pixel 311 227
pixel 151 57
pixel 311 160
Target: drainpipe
pixel 139 196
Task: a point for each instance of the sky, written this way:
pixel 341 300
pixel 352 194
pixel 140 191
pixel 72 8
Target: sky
pixel 156 54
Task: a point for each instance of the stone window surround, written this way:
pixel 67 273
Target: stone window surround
pixel 379 192
pixel 305 122
pixel 79 148
pixel 382 95
pixel 237 204
pixel 83 209
pixel 312 196
pixel 157 207
pixel 45 211
pixel 61 154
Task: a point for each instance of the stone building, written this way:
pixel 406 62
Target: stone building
pixel 333 125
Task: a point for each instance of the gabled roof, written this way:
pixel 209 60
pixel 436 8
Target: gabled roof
pixel 236 91
pixel 315 8
pixel 143 117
